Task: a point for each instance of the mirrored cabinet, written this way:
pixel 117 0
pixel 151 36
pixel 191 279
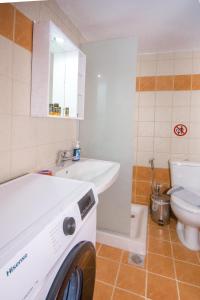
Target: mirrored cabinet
pixel 58 74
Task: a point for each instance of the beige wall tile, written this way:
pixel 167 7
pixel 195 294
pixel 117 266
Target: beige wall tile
pixel 181 98
pixel 21 98
pixel 163 114
pixel 6 95
pixel 4 165
pixel 147 99
pixel 146 129
pixel 5 132
pixel 163 129
pixel 181 114
pixel 195 98
pixel 22 64
pixel 165 67
pixel 164 98
pixel 146 114
pixel 6 58
pixel 162 145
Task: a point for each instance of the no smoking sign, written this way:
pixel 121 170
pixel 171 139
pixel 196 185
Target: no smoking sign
pixel 180 129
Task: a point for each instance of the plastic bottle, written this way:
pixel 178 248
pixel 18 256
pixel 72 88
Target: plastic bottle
pixel 77 152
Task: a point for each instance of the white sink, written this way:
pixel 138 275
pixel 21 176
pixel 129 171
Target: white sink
pixel 101 173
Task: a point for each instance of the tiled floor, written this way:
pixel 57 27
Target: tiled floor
pixel 171 272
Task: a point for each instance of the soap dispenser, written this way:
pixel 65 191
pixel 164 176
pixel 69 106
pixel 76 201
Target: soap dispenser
pixel 77 152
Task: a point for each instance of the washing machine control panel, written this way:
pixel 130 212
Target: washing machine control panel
pixel 86 203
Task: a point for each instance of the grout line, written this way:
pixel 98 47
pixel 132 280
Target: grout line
pixel 97 252
pixel 173 260
pixel 130 292
pixel 190 284
pixel 115 283
pixel 179 260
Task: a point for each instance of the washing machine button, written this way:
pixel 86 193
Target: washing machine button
pixel 69 226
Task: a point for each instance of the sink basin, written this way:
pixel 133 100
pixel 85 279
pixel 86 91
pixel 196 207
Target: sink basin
pixel 101 173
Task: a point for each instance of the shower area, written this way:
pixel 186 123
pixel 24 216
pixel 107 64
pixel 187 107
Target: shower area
pixel 108 133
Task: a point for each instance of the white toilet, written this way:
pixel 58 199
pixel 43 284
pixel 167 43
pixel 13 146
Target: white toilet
pixel 185 201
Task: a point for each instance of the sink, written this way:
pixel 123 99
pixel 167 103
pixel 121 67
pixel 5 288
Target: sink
pixel 102 173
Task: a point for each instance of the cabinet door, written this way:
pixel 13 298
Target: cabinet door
pixel 81 84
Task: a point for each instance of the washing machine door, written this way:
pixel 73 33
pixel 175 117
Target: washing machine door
pixel 76 276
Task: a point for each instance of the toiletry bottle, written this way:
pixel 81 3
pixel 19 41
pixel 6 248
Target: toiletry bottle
pixel 77 151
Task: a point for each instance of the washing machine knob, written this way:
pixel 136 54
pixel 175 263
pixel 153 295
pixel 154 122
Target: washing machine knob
pixel 69 226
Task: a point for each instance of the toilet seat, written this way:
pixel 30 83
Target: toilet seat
pixel 182 204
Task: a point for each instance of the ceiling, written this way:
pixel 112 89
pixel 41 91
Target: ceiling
pixel 159 25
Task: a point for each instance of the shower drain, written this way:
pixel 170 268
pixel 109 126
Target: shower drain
pixel 136 259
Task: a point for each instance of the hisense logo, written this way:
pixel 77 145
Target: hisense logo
pixel 13 268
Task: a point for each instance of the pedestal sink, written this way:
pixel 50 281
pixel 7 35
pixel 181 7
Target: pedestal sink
pixel 101 173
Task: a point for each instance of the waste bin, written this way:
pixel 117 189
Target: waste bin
pixel 160 209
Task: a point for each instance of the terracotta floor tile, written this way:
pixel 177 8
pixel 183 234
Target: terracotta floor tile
pixel 97 246
pixel 174 236
pixel 102 291
pixel 106 270
pixel 172 224
pixel 159 232
pixel 132 279
pixel 126 261
pixel 159 247
pixel 160 265
pixel 182 253
pixel 188 292
pixel 124 295
pixel 160 288
pixel 110 252
pixel 188 273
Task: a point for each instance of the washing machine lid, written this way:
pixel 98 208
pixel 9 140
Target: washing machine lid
pixel 26 201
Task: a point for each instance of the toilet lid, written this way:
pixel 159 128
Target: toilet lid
pixel 187 200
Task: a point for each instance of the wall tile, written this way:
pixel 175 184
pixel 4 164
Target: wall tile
pixel 143 173
pixel 163 114
pixel 182 82
pixel 147 83
pixel 165 67
pixel 180 145
pixel 162 175
pixel 147 68
pixel 143 188
pixel 195 98
pixel 145 144
pixel 146 114
pixel 137 83
pixel 23 161
pixel 4 165
pixel 161 160
pixel 24 132
pixel 162 145
pixel 22 64
pixel 164 98
pixel 164 83
pixel 163 129
pixel 194 130
pixel 6 95
pixel 196 82
pixel 6 20
pixel 6 59
pixel 181 98
pixel 146 129
pixel 23 31
pixel 143 158
pixel 195 114
pixel 181 114
pixel 196 66
pixel 5 132
pixel 21 98
pixel 194 146
pixel 183 66
pixel 147 99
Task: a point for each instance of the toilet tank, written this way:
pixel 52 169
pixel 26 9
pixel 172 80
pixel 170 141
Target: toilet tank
pixel 185 174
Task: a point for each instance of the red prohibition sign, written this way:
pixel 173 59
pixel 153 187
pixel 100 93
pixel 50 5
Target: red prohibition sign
pixel 180 130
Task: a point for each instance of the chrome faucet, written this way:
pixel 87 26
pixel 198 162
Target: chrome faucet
pixel 62 156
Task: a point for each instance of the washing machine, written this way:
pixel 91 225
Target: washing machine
pixel 47 238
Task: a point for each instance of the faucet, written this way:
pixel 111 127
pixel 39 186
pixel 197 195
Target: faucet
pixel 62 156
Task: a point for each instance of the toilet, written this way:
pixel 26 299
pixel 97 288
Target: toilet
pixel 185 201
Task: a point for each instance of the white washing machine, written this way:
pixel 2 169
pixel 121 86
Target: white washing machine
pixel 47 237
